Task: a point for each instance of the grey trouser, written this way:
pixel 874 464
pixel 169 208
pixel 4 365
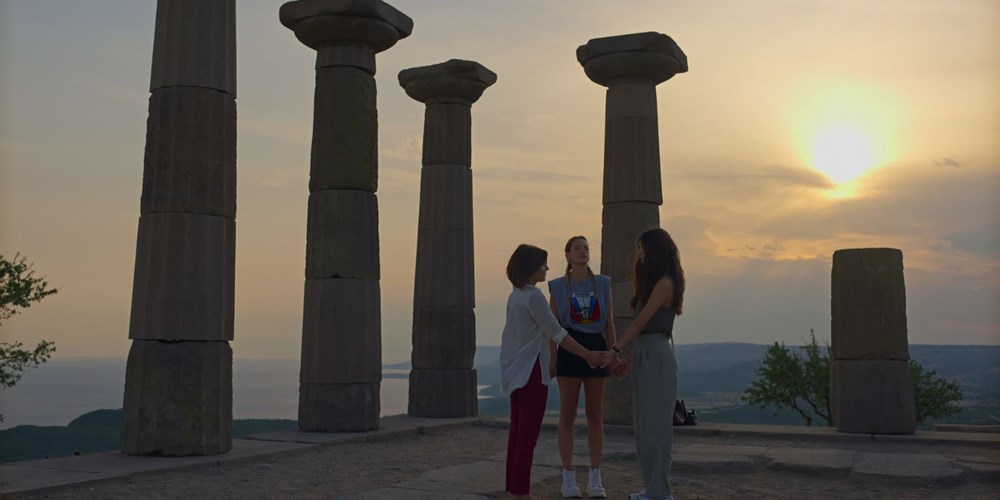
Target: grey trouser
pixel 654 391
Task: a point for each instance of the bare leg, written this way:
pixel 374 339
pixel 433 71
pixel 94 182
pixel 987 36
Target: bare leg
pixel 593 389
pixel 569 398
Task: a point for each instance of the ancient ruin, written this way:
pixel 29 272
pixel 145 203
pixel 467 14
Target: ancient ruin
pixel 341 326
pixel 871 387
pixel 178 384
pixel 630 66
pixel 443 381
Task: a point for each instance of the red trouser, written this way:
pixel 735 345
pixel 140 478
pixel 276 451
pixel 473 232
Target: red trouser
pixel 527 407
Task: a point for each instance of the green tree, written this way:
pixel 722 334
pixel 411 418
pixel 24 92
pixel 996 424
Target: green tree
pixel 19 288
pixel 786 379
pixel 936 398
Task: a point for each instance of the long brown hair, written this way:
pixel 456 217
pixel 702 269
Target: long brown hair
pixel 569 269
pixel 661 258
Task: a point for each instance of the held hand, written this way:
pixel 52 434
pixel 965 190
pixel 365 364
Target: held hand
pixel 607 357
pixel 552 370
pixel 595 359
pixel 622 368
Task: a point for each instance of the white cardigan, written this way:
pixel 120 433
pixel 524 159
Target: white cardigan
pixel 530 325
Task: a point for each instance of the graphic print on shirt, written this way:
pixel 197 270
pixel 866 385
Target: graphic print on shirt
pixel 584 308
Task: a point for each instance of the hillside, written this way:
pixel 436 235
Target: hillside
pixel 711 379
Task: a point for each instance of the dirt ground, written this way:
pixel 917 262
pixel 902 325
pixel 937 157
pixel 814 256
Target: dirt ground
pixel 621 477
pixel 344 469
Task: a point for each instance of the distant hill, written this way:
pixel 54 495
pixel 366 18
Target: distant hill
pixel 712 376
pixel 93 432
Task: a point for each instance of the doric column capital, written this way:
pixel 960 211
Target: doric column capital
pixel 640 57
pixel 322 23
pixel 455 81
pixel 346 32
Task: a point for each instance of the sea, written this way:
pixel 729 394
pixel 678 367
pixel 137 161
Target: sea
pixel 62 389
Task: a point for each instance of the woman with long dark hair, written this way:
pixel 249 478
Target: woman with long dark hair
pixel 657 298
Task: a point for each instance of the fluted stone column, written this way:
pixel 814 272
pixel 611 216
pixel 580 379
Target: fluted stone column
pixel 630 66
pixel 871 387
pixel 178 384
pixel 443 382
pixel 341 331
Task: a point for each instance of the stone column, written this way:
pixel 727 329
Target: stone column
pixel 630 66
pixel 341 331
pixel 443 382
pixel 871 387
pixel 178 382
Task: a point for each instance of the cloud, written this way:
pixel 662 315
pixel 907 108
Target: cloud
pixel 947 162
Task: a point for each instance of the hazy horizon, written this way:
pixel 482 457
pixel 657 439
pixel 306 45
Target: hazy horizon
pixel 801 128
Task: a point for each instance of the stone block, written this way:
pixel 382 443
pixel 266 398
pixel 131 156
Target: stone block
pixel 647 57
pixel 194 45
pixel 618 399
pixel 637 100
pixel 184 282
pixel 190 163
pixel 632 160
pixel 621 225
pixel 452 81
pixel 872 397
pixel 447 134
pixel 178 398
pixel 345 131
pixel 341 332
pixel 618 392
pixel 868 305
pixel 357 56
pixel 445 269
pixel 443 393
pixel 339 407
pixel 342 235
pixel 621 293
pixel 444 338
pixel 307 18
pixel 445 197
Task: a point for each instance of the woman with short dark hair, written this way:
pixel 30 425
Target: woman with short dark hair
pixel 657 298
pixel 524 361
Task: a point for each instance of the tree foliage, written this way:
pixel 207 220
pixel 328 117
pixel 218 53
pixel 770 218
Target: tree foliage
pixel 15 360
pixel 935 397
pixel 19 288
pixel 787 379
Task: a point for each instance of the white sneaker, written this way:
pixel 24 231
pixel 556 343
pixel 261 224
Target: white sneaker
pixel 594 487
pixel 569 487
pixel 641 495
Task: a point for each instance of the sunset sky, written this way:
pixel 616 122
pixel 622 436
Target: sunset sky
pixel 803 127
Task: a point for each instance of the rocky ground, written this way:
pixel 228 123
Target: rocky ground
pixel 467 462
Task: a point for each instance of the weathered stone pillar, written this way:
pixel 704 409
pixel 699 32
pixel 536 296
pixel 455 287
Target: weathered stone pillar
pixel 443 382
pixel 630 66
pixel 871 387
pixel 178 382
pixel 341 330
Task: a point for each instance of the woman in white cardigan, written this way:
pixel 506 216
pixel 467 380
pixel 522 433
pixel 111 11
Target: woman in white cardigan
pixel 524 361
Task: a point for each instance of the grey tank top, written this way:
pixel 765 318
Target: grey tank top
pixel 661 322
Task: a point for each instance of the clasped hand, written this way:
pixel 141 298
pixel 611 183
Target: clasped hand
pixel 602 359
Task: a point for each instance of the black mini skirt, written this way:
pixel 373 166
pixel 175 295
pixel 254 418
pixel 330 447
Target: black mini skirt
pixel 571 365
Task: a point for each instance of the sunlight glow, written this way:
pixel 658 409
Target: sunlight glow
pixel 843 152
pixel 844 130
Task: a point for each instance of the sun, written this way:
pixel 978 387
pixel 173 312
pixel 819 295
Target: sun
pixel 843 152
pixel 844 131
